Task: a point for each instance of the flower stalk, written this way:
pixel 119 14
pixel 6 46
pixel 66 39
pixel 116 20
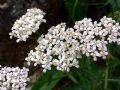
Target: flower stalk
pixel 106 73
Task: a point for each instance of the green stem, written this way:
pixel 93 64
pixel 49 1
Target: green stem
pixel 106 74
pixel 74 8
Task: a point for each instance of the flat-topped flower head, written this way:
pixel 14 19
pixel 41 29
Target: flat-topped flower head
pixel 95 36
pixel 27 24
pixel 56 48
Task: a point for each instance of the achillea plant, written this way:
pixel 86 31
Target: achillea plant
pixel 63 47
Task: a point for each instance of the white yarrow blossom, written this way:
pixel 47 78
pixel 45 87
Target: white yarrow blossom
pixel 57 48
pixel 62 47
pixel 94 37
pixel 27 24
pixel 13 78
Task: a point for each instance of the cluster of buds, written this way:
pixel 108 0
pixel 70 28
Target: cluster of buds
pixel 13 78
pixel 27 24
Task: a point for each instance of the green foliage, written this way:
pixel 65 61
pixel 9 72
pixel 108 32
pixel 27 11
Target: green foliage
pixel 115 15
pixel 115 4
pixel 88 76
pixel 76 9
pixel 48 80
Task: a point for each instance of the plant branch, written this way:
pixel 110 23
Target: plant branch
pixel 106 73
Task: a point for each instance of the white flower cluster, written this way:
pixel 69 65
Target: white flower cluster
pixel 13 78
pixel 57 48
pixel 27 24
pixel 94 37
pixel 62 47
